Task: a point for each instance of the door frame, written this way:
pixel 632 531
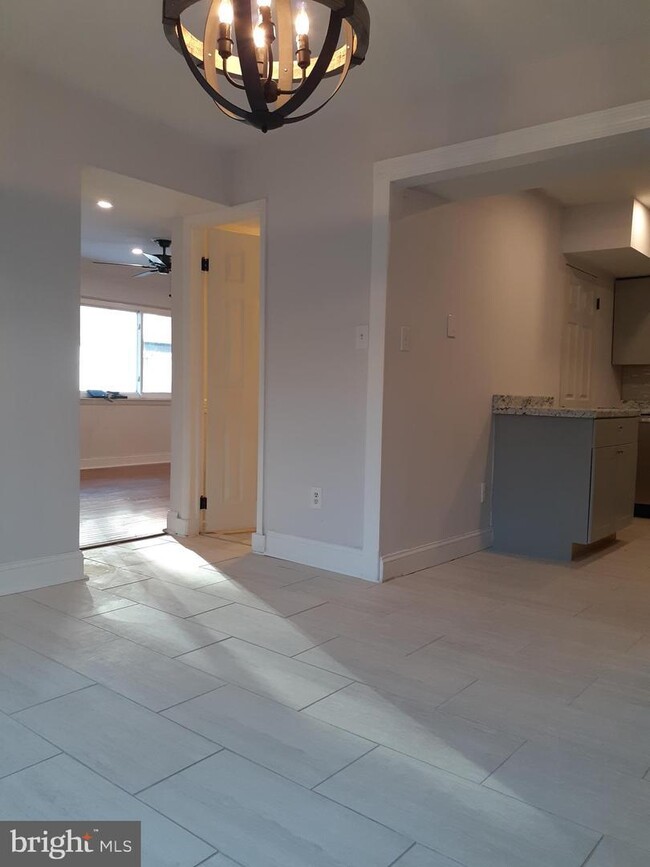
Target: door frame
pixel 184 516
pixel 520 147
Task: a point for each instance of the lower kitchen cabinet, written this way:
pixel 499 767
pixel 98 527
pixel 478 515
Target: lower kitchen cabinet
pixel 561 481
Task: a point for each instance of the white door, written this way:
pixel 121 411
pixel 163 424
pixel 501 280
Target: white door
pixel 578 340
pixel 232 381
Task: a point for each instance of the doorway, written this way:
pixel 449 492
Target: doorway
pixel 125 382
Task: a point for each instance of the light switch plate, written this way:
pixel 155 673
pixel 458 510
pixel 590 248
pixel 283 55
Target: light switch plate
pixel 405 339
pixel 361 337
pixel 451 325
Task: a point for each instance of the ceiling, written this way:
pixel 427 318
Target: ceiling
pixel 140 212
pixel 117 51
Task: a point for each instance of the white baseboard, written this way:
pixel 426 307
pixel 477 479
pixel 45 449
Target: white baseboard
pixel 320 555
pixel 125 461
pixel 433 554
pixel 42 572
pixel 178 526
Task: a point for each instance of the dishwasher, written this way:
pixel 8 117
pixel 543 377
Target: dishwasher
pixel 642 496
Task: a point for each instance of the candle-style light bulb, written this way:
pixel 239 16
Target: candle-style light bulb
pixel 303 52
pixel 264 3
pixel 302 22
pixel 226 14
pixel 259 36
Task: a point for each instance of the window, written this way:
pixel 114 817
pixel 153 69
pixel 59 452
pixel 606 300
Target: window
pixel 125 350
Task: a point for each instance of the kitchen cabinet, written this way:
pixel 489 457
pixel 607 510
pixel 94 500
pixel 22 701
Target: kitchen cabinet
pixel 631 344
pixel 561 481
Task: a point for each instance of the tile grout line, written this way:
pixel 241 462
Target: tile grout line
pixel 593 851
pixel 14 713
pixel 501 764
pixel 345 767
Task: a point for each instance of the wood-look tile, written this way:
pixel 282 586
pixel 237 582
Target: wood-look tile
pixel 148 678
pixel 407 676
pixel 281 678
pixel 462 820
pixel 566 782
pixel 420 856
pixel 61 789
pixel 260 818
pixel 124 742
pixel 28 678
pixel 258 594
pixel 611 852
pixel 47 631
pixel 418 730
pixel 171 598
pixel 276 573
pixel 364 595
pixel 281 739
pixel 105 576
pixel 20 747
pixel 390 630
pixel 78 598
pixel 621 704
pixel 157 630
pixel 262 628
pixel 620 745
pixel 506 667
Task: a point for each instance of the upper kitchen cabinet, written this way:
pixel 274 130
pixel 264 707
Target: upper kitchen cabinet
pixel 632 322
pixel 612 237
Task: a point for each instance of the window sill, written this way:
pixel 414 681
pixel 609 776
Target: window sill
pixel 131 401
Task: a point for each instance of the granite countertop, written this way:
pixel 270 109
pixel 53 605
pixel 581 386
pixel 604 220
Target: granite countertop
pixel 507 404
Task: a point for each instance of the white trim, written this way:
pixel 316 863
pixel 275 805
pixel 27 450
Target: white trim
pixel 132 400
pixel 42 572
pixel 433 554
pixel 321 555
pixel 177 526
pixel 258 543
pixel 125 461
pixel 89 301
pixel 518 147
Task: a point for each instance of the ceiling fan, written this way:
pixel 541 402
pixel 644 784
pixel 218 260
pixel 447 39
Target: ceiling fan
pixel 159 263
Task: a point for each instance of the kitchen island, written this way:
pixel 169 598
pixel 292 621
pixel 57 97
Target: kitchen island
pixel 563 477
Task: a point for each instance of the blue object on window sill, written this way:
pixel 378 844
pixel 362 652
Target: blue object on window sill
pixel 106 395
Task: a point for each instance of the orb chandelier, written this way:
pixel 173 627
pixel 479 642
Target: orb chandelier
pixel 262 49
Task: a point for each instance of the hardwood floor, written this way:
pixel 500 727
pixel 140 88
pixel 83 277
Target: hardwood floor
pixel 123 503
pixel 489 712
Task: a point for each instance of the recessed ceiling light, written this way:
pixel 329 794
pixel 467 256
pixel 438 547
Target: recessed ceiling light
pixel 137 251
pixel 104 204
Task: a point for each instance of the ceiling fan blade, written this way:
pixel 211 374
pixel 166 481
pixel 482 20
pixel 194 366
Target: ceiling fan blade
pixel 120 264
pixel 155 260
pixel 145 273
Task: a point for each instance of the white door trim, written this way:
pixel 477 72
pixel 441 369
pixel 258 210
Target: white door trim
pixel 187 365
pixel 518 147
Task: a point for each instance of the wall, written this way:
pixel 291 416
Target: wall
pixel 495 264
pixel 127 432
pixel 48 134
pixel 317 178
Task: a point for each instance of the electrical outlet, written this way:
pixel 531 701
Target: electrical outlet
pixel 315 498
pixel 483 491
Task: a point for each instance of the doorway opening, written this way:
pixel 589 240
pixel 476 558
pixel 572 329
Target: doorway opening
pixel 125 371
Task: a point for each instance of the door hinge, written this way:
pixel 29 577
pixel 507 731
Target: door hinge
pixel 203 503
pixel 205 263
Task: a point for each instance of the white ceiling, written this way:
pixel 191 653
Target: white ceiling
pixel 140 212
pixel 117 51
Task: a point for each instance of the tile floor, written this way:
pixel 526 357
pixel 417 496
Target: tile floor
pixel 490 712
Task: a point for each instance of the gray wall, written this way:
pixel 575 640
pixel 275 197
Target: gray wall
pixel 48 134
pixel 495 264
pixel 317 177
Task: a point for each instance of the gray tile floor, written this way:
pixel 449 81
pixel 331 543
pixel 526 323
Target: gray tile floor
pixel 490 712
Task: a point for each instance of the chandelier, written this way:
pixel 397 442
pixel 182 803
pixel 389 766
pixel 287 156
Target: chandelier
pixel 266 55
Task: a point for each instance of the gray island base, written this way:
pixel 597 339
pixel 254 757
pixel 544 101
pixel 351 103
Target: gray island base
pixel 562 478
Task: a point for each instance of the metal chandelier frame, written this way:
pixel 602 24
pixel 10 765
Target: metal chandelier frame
pixel 276 84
